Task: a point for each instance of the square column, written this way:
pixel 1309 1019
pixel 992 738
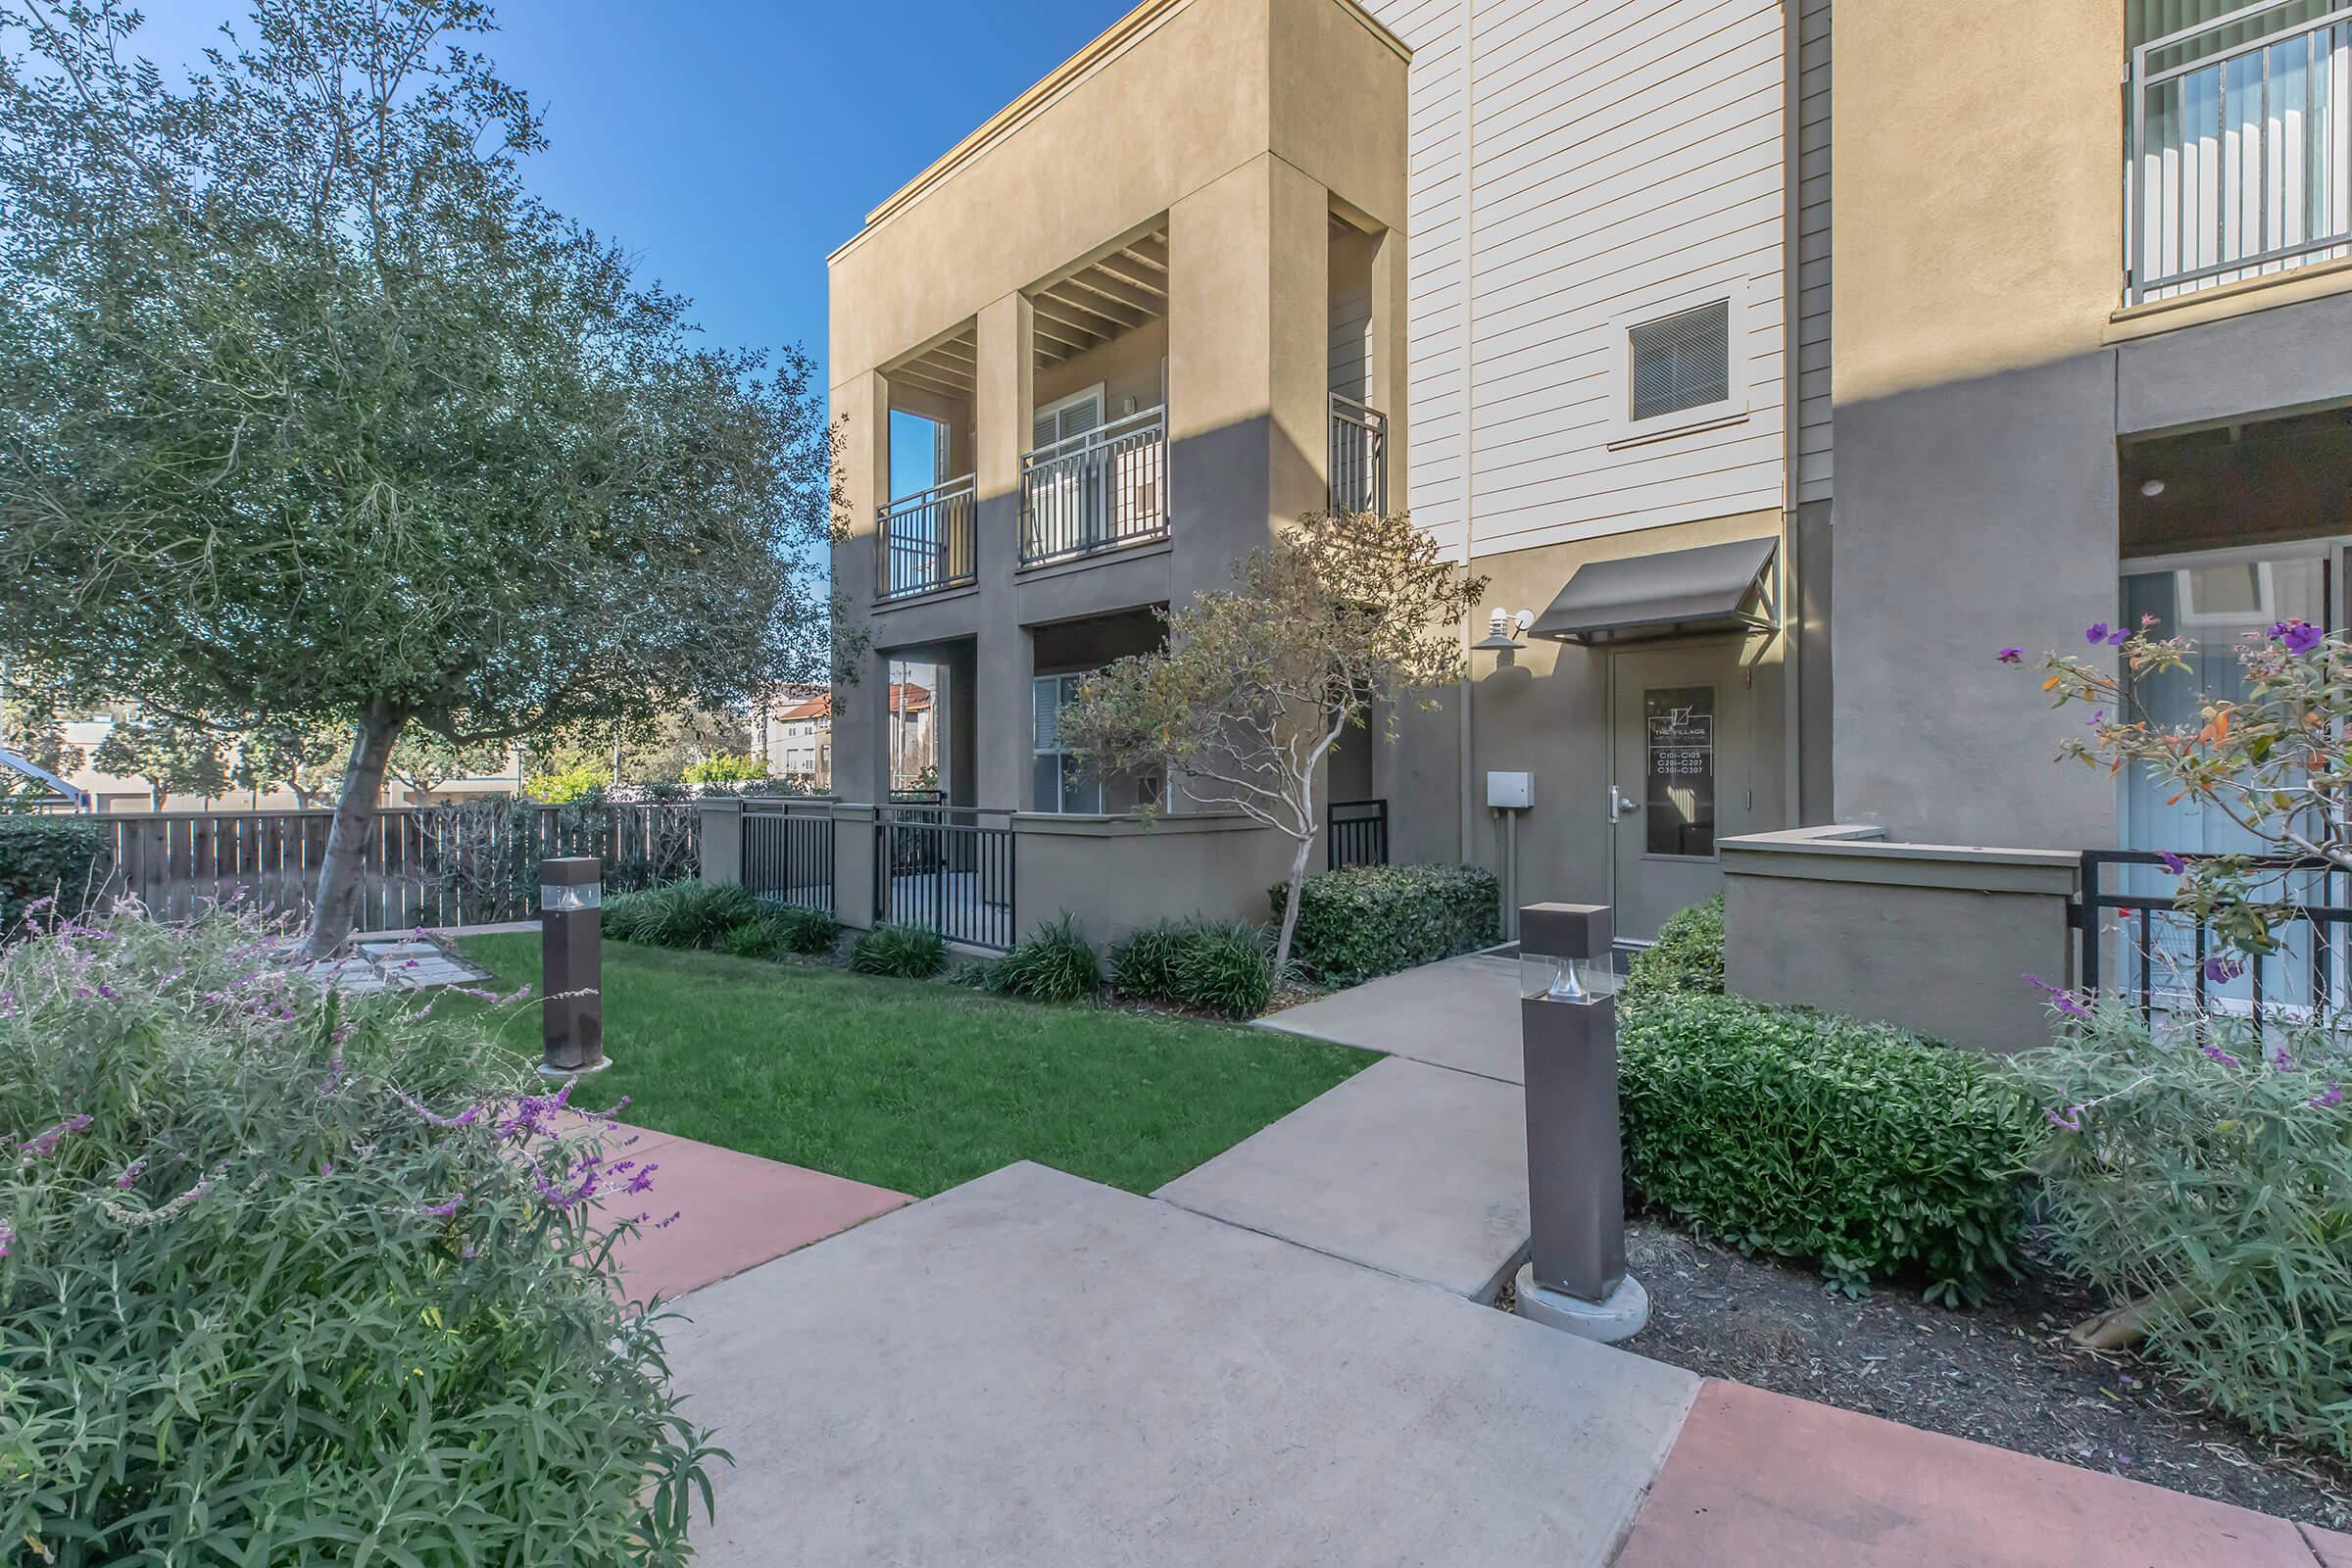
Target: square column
pixel 861 754
pixel 1006 397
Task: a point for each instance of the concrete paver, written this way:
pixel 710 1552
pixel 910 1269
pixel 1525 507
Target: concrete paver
pixel 1406 1168
pixel 733 1211
pixel 1461 1014
pixel 1770 1481
pixel 2333 1550
pixel 1035 1369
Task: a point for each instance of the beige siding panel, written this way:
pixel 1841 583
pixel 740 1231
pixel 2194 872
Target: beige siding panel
pixel 1571 164
pixel 1815 466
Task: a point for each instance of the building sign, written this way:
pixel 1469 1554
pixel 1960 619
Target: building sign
pixel 1678 786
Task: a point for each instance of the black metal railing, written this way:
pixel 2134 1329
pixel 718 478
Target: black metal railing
pixel 947 867
pixel 2166 954
pixel 1099 490
pixel 788 855
pixel 1360 456
pixel 1356 833
pixel 924 542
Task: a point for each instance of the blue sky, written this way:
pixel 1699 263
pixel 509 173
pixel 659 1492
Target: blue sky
pixel 730 144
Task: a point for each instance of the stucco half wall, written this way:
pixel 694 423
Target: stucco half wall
pixel 1116 873
pixel 1936 938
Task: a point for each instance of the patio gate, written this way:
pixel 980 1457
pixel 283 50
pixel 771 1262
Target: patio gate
pixel 788 855
pixel 948 868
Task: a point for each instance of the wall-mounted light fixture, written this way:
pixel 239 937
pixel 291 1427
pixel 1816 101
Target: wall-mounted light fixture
pixel 2151 488
pixel 1503 630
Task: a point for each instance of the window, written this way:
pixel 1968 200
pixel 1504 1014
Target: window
pixel 1061 780
pixel 1679 770
pixel 1682 362
pixel 1073 416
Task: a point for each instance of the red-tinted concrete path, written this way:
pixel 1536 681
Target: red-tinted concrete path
pixel 734 1211
pixel 1765 1481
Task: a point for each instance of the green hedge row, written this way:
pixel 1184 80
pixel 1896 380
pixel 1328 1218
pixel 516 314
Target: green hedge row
pixel 1370 920
pixel 44 855
pixel 1867 1152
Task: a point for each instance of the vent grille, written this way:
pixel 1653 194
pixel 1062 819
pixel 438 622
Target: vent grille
pixel 1682 360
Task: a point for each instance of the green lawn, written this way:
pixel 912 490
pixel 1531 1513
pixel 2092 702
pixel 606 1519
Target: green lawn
pixel 917 1086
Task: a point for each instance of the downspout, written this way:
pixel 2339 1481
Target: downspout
pixel 1791 608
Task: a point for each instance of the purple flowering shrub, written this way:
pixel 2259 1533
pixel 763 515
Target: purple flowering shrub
pixel 2205 1172
pixel 292 1278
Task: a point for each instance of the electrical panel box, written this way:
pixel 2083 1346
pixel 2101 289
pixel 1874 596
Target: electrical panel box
pixel 1510 792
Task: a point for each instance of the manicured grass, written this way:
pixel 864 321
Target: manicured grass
pixel 919 1085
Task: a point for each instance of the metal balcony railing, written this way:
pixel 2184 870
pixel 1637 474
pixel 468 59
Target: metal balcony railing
pixel 2241 146
pixel 1099 490
pixel 924 542
pixel 1360 456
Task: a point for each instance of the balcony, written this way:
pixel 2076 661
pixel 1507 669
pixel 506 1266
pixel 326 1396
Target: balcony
pixel 2241 133
pixel 1100 489
pixel 926 542
pixel 1359 456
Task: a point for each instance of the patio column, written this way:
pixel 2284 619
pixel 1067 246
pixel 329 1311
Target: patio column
pixel 1005 398
pixel 859 724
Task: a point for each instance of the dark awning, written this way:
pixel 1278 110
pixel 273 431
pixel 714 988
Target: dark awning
pixel 1675 593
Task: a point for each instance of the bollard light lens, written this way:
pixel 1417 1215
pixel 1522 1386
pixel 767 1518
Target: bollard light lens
pixel 565 900
pixel 1578 982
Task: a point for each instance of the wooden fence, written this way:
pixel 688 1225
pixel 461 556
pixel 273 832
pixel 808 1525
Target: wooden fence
pixel 423 866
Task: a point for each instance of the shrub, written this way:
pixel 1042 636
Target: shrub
pixel 682 915
pixel 725 768
pixel 1687 956
pixel 902 952
pixel 1219 966
pixel 1054 963
pixel 1867 1152
pixel 780 929
pixel 2211 1185
pixel 49 857
pixel 1369 921
pixel 566 786
pixel 283 1278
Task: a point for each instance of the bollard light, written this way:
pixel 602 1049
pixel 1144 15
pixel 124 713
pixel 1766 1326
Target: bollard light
pixel 571 897
pixel 1575 1278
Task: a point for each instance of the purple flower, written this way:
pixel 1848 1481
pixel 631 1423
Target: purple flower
pixel 2173 862
pixel 642 1181
pixel 2217 1054
pixel 2011 656
pixel 464 1118
pixel 2072 1121
pixel 2100 633
pixel 2221 970
pixel 2063 999
pixel 2299 635
pixel 131 1174
pixel 445 1210
pixel 2334 1096
pixel 7 1236
pixel 44 1144
pixel 2282 1061
pixel 672 1220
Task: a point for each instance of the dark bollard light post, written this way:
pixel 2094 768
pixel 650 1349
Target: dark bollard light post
pixel 571 897
pixel 1576 1279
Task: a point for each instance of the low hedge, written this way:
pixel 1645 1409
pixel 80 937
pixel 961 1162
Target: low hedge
pixel 40 856
pixel 1369 921
pixel 1687 956
pixel 1869 1153
pixel 781 929
pixel 1219 966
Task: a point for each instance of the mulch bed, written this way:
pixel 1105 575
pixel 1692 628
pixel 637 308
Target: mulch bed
pixel 2003 1373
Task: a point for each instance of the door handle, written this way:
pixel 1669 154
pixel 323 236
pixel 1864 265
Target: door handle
pixel 1621 805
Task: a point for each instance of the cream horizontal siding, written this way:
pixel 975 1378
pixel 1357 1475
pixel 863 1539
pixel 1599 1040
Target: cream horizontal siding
pixel 1814 466
pixel 1573 162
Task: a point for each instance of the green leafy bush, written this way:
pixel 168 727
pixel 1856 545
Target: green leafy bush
pixel 725 767
pixel 902 952
pixel 781 929
pixel 2211 1184
pixel 1054 963
pixel 286 1279
pixel 1687 956
pixel 1369 921
pixel 1867 1152
pixel 566 786
pixel 64 858
pixel 1219 966
pixel 683 914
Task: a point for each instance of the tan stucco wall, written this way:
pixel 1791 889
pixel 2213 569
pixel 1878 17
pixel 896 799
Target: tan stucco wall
pixel 1116 874
pixel 1979 191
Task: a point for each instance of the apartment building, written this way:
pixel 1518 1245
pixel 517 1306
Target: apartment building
pixel 1766 439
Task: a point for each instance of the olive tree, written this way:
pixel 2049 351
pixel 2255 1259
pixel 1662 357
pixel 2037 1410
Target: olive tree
pixel 1342 617
pixel 310 411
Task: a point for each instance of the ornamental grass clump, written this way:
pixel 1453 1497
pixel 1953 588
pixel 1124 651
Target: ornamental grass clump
pixel 682 915
pixel 295 1278
pixel 1224 968
pixel 1054 963
pixel 900 952
pixel 2200 1177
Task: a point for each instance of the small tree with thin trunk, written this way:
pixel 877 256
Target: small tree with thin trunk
pixel 169 755
pixel 310 411
pixel 1342 617
pixel 307 758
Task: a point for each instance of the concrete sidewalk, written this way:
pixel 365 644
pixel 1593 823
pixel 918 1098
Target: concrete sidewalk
pixel 1461 1014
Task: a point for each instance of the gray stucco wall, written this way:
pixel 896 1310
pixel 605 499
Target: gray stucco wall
pixel 1971 517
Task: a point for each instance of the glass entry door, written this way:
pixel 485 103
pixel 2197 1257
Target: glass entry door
pixel 2216 601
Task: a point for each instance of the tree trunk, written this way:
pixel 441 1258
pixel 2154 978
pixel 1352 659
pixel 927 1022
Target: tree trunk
pixel 1289 906
pixel 343 869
